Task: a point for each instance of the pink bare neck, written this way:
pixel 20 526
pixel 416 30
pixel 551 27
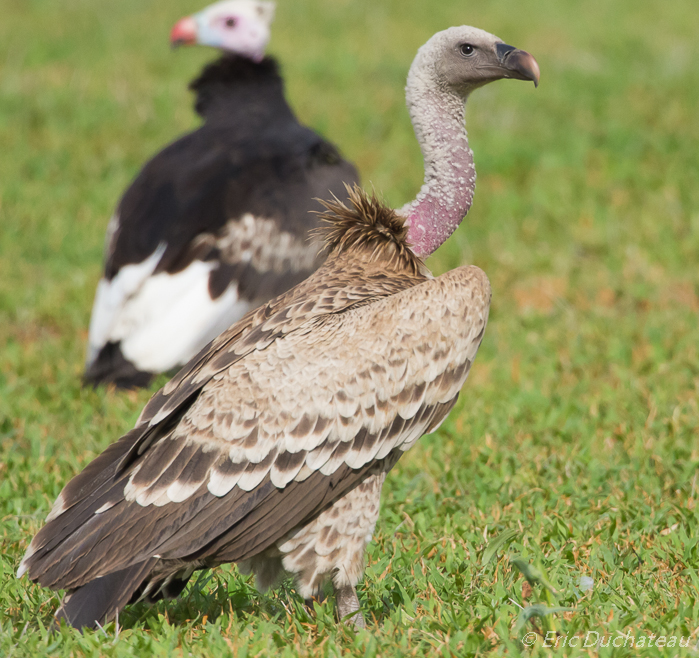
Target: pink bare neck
pixel 450 176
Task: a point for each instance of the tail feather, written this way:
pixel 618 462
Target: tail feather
pixel 99 601
pixel 111 366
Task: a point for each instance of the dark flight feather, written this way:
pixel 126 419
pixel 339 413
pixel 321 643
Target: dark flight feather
pixel 100 599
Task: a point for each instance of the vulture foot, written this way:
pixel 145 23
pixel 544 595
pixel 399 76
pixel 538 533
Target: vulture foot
pixel 348 603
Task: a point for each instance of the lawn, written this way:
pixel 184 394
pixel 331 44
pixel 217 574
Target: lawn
pixel 573 453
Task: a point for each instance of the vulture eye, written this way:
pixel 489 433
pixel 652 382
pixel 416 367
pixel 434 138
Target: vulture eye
pixel 466 49
pixel 230 22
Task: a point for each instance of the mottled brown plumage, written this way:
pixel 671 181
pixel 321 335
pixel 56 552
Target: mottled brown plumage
pixel 210 475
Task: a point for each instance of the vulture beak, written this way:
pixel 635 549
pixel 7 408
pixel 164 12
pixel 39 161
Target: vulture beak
pixel 518 62
pixel 184 33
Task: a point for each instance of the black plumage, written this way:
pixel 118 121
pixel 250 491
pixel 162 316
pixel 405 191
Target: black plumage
pixel 251 157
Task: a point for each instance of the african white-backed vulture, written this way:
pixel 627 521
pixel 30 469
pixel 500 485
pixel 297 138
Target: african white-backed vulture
pixel 270 447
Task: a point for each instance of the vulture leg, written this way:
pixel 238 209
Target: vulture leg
pixel 347 603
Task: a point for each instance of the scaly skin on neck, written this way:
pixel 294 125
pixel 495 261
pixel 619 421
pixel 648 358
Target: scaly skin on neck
pixel 438 115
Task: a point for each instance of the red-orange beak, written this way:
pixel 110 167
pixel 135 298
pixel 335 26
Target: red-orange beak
pixel 184 33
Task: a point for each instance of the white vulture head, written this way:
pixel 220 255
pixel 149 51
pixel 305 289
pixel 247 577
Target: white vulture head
pixel 236 26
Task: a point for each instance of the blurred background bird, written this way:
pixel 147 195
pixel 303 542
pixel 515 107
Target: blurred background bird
pixel 217 222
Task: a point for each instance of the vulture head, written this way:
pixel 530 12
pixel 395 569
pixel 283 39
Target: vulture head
pixel 236 26
pixel 465 58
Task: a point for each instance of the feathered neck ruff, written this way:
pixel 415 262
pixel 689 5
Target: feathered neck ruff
pixel 232 74
pixel 367 226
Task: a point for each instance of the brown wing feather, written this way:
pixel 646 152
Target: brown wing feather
pixel 337 286
pixel 325 292
pixel 277 418
pixel 319 420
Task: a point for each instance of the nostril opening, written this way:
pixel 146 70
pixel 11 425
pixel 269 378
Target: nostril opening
pixel 503 50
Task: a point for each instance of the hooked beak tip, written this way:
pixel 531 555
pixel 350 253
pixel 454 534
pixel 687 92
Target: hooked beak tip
pixel 521 62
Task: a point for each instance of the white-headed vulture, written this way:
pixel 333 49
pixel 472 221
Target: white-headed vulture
pixel 218 222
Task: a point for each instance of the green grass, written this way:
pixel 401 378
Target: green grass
pixel 578 431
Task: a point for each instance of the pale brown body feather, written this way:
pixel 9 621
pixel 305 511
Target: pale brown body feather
pixel 271 446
